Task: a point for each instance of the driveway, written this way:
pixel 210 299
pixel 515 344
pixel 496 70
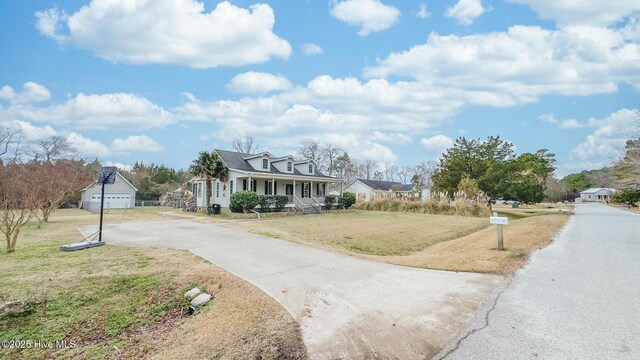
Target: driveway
pixel 579 298
pixel 347 307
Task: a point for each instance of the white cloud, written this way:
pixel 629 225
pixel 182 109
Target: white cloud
pixel 437 144
pixel 392 138
pixel 378 153
pixel 30 131
pixel 369 15
pixel 258 82
pixel 97 112
pixel 169 32
pixel 572 12
pixel 310 49
pixel 422 11
pixel 31 93
pixel 571 124
pixel 466 11
pixel 607 141
pixel 136 143
pixel 520 65
pixel 119 165
pixel 88 147
pixel 548 118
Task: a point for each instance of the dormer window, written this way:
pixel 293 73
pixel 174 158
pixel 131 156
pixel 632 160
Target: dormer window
pixel 310 169
pixel 265 164
pixel 289 166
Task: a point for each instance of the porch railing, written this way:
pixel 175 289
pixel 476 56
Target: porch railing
pixel 298 204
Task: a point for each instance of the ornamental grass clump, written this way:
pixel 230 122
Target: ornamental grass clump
pixel 440 203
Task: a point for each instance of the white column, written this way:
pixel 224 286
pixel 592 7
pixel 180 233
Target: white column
pixel 273 186
pixel 251 184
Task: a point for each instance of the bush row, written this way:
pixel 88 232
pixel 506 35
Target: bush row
pixel 441 206
pixel 244 201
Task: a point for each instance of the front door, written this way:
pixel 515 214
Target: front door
pixel 289 189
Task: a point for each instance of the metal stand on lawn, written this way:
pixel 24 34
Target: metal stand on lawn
pixel 107 176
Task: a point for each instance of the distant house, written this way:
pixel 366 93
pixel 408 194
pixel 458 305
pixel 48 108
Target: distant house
pixel 373 189
pixel 597 194
pixel 298 179
pixel 119 195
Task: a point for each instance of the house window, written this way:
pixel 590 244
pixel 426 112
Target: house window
pixel 288 189
pixel 217 189
pixel 199 189
pixel 230 187
pixel 289 166
pixel 268 189
pixel 310 169
pixel 265 164
pixel 321 189
pixel 306 191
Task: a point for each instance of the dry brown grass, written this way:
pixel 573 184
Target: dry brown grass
pixel 420 240
pixel 368 232
pixel 77 300
pixel 477 252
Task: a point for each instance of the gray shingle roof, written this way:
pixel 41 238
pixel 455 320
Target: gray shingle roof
pixel 235 160
pixel 385 185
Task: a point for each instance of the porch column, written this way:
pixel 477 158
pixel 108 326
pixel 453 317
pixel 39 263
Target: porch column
pixel 294 187
pixel 273 186
pixel 341 187
pixel 311 190
pixel 250 184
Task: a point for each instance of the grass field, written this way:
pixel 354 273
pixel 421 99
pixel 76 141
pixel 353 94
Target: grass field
pixel 421 240
pixel 369 232
pixel 117 302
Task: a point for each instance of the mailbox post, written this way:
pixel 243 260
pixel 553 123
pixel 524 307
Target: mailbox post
pixel 499 220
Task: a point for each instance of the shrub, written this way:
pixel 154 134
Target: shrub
pixel 330 201
pixel 347 200
pixel 280 201
pixel 243 201
pixel 627 195
pixel 265 202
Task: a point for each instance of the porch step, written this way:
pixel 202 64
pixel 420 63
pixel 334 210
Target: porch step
pixel 311 210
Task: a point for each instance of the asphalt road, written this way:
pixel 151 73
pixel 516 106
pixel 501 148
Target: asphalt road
pixel 347 307
pixel 579 298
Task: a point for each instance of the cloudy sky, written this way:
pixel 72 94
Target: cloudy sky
pixel 393 81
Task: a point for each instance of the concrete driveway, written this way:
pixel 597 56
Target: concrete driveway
pixel 347 307
pixel 579 298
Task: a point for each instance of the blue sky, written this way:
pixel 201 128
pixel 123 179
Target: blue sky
pixel 393 81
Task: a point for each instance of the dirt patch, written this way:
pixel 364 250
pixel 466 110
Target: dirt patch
pixel 478 253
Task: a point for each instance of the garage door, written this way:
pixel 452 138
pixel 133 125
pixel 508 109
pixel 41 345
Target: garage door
pixel 113 201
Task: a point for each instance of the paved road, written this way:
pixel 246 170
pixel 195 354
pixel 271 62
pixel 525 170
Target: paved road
pixel 579 298
pixel 347 307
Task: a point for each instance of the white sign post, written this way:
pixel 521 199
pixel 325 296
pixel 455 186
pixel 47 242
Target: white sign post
pixel 499 220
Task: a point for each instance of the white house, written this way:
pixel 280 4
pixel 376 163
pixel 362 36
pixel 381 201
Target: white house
pixel 597 194
pixel 119 195
pixel 265 174
pixel 372 189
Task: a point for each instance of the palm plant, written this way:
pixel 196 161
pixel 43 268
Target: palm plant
pixel 208 166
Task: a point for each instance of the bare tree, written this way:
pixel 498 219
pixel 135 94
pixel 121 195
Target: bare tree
pixel 10 140
pixel 18 200
pixel 245 145
pixel 312 149
pixel 390 172
pixel 51 149
pixel 330 153
pixel 64 178
pixel 425 171
pixel 405 173
pixel 366 169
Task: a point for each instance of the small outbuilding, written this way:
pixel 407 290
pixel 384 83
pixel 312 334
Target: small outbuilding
pixel 119 195
pixel 597 194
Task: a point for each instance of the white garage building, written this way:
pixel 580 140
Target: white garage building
pixel 119 195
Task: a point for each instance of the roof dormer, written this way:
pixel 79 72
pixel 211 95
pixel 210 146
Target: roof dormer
pixel 305 167
pixel 284 164
pixel 260 162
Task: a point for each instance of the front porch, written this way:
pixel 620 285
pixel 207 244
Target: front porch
pixel 302 194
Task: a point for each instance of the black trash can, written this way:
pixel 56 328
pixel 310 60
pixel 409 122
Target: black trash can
pixel 213 209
